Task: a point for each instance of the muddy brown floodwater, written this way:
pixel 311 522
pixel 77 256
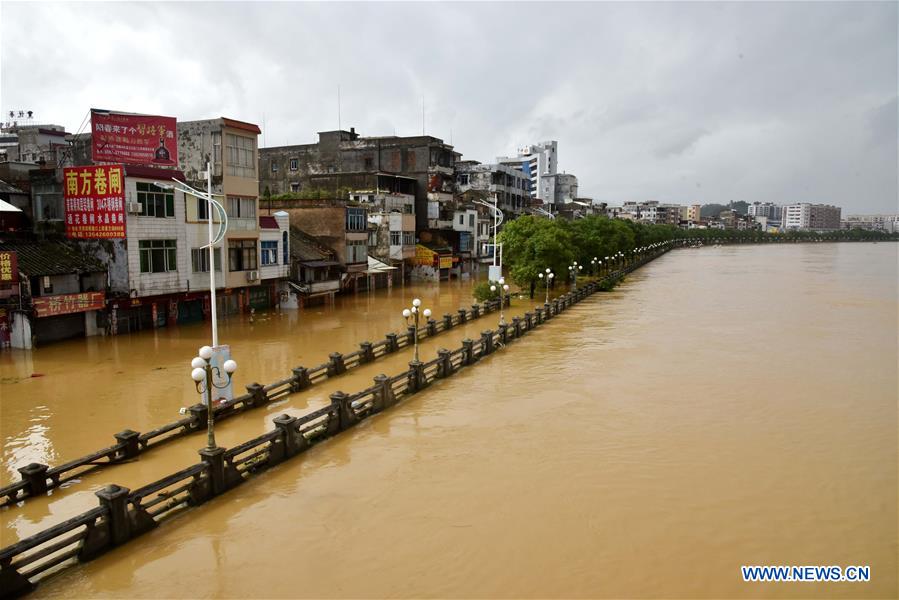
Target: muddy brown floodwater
pixel 723 407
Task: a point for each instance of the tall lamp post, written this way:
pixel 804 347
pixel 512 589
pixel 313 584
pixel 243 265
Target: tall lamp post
pixel 503 288
pixel 211 203
pixel 206 379
pixel 413 314
pixel 574 268
pixel 548 279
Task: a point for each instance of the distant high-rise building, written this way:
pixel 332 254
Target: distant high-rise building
pixel 537 162
pixel 804 215
pixel 765 209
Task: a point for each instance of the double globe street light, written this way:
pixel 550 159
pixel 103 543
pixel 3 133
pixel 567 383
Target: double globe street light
pixel 503 287
pixel 412 315
pixel 548 279
pixel 573 269
pixel 208 378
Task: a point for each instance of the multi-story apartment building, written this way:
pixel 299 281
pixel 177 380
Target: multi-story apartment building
pixel 495 182
pixel 885 223
pixel 557 190
pixel 230 147
pixel 391 219
pixel 340 225
pixel 35 144
pixel 816 217
pixel 765 209
pixel 536 161
pixel 342 161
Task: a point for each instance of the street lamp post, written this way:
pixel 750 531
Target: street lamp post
pixel 573 269
pixel 503 288
pixel 548 280
pixel 205 375
pixel 413 314
pixel 211 203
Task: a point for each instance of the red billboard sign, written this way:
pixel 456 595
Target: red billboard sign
pixel 134 139
pixel 64 304
pixel 95 201
pixel 9 267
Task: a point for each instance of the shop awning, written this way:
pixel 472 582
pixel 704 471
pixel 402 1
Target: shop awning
pixel 375 266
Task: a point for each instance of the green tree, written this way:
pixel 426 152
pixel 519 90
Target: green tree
pixel 531 244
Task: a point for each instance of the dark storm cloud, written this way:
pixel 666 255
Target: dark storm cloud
pixel 705 102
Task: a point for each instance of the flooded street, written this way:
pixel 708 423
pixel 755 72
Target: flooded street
pixel 723 407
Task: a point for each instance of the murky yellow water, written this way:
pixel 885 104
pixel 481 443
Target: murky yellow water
pixel 725 406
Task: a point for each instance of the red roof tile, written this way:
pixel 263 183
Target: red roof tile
pixel 267 222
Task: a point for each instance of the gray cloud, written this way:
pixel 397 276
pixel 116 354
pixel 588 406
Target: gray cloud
pixel 681 102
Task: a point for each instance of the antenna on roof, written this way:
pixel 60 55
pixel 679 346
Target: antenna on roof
pixel 338 107
pixel 422 115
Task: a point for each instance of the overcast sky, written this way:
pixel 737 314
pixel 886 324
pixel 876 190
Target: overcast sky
pixel 706 102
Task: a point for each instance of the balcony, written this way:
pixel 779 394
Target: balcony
pixel 317 287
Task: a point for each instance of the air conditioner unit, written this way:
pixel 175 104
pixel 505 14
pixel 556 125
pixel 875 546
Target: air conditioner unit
pixel 134 208
pixel 252 275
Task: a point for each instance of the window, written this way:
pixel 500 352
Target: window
pixel 395 238
pixel 155 201
pixel 157 256
pixel 274 167
pixel 242 255
pixel 199 259
pixel 269 253
pixel 241 208
pixel 356 251
pixel 462 219
pixel 369 163
pixel 241 155
pixel 471 220
pixel 284 248
pixel 295 187
pixel 294 164
pixel 355 219
pixel 202 209
pixel 372 238
pixel 217 152
pixel 408 238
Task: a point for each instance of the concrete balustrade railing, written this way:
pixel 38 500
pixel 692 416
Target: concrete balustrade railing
pixel 124 514
pixel 39 478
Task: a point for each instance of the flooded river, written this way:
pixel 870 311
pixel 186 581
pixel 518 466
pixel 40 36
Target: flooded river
pixel 723 407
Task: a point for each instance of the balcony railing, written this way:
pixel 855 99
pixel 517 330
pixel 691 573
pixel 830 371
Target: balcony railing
pixel 316 287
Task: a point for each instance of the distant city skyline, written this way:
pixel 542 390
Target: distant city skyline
pixel 680 103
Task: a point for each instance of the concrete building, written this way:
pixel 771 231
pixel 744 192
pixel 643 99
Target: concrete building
pixel 342 161
pixel 535 161
pixel 391 220
pixel 60 294
pixel 765 209
pixel 315 272
pixel 35 144
pixel 231 148
pixel 815 217
pixel 557 190
pixel 339 225
pixel 885 223
pixel 485 182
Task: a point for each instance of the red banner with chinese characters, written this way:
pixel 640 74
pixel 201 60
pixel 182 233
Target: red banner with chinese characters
pixel 64 304
pixel 134 139
pixel 9 267
pixel 95 201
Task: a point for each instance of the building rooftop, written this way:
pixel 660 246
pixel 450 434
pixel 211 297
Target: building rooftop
pixel 51 258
